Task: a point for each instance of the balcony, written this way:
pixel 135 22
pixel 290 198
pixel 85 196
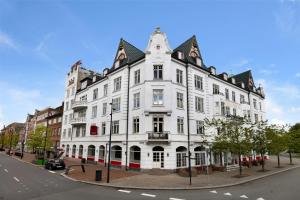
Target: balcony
pixel 76 105
pixel 78 120
pixel 158 136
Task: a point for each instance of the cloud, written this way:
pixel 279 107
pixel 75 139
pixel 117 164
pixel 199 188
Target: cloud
pixel 7 41
pixel 298 75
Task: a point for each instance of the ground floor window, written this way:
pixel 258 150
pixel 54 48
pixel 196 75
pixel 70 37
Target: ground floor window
pixel 80 152
pixel 200 156
pixel 73 150
pixel 101 152
pixel 135 154
pixel 116 153
pixel 91 151
pixel 181 156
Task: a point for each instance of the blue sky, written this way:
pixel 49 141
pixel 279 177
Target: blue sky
pixel 40 40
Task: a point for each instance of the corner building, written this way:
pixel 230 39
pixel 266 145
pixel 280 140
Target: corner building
pixel 159 97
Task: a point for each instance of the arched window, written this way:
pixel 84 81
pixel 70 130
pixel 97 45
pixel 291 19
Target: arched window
pixel 73 151
pixel 67 150
pixel 135 154
pixel 80 152
pixel 116 152
pixel 158 148
pixel 101 154
pixel 91 152
pixel 200 156
pixel 181 156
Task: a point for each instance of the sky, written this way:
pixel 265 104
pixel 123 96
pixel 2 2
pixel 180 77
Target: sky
pixel 40 40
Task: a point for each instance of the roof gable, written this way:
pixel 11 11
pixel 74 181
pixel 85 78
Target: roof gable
pixel 247 78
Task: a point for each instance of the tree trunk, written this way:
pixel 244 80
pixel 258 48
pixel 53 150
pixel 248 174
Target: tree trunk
pixel 262 162
pixel 278 160
pixel 291 160
pixel 240 163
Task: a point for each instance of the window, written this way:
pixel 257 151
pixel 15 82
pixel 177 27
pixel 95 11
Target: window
pixel 200 127
pixel 136 100
pixel 227 110
pixel 222 108
pixel 234 112
pixel 83 131
pixel 59 131
pixel 64 133
pixel 256 118
pixel 69 132
pixel 226 94
pixel 95 93
pixel 158 124
pixel 103 127
pixel 179 100
pixel 199 104
pixel 73 91
pixel 68 93
pixel 200 158
pixel 216 89
pixel 233 96
pixel 83 98
pixel 158 72
pixel 117 84
pixel 105 90
pixel 259 105
pixel 67 105
pixel 77 132
pixel 66 119
pixel 179 125
pixel 137 78
pixel 198 82
pixel 255 103
pixel 94 130
pixel 242 98
pixel 94 111
pixel 136 125
pixel 70 118
pixel 116 104
pixel 104 108
pixel 158 97
pixel 179 77
pixel 115 127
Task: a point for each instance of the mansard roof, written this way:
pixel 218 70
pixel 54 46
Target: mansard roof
pixel 246 78
pixel 186 48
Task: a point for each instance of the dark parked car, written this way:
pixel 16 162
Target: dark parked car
pixel 18 152
pixel 2 149
pixel 53 164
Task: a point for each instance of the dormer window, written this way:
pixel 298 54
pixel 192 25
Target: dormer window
pixel 94 78
pixel 198 61
pixel 180 55
pixel 158 47
pixel 225 76
pixel 233 80
pixel 117 64
pixel 242 85
pixel 194 54
pixel 105 71
pixel 212 70
pixel 83 84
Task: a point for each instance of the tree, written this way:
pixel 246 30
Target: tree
pixel 235 133
pixel 260 140
pixel 277 141
pixel 293 140
pixel 36 138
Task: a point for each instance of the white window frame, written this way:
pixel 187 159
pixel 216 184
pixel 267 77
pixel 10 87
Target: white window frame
pixel 115 127
pixel 157 72
pixel 179 100
pixel 180 125
pixel 137 76
pixel 198 82
pixel 200 127
pixel 116 103
pixel 158 97
pixel 136 100
pixel 136 125
pixel 117 84
pixel 199 104
pixel 179 76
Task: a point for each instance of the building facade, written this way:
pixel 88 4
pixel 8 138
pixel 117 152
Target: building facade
pixel 158 98
pixel 54 125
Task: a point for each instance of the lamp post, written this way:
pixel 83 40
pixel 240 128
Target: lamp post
pixel 109 143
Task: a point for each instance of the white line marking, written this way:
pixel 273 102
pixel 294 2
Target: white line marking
pixel 6 170
pixel 125 191
pixel 214 192
pixel 244 196
pixel 16 179
pixel 52 172
pixel 171 198
pixel 260 198
pixel 148 195
pixel 227 194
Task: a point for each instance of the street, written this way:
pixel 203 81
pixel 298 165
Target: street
pixel 19 180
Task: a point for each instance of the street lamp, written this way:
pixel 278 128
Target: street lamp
pixel 109 142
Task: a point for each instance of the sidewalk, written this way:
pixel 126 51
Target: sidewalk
pixel 125 179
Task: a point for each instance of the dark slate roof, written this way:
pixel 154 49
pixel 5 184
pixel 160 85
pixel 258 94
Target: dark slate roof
pixel 133 54
pixel 246 78
pixel 185 48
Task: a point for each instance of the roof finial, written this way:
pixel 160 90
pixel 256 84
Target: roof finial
pixel 157 29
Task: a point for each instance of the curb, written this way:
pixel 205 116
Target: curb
pixel 181 188
pixel 39 166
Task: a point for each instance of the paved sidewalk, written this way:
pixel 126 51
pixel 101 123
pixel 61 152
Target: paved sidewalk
pixel 123 179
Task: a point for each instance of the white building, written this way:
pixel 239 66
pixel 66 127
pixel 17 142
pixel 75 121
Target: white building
pixel 160 96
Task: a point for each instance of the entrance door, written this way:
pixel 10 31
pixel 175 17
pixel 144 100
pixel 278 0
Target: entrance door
pixel 158 159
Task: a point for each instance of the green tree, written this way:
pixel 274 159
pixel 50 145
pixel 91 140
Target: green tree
pixel 293 140
pixel 260 140
pixel 277 140
pixel 235 133
pixel 36 138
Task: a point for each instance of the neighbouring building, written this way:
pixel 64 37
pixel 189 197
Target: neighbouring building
pixel 16 129
pixel 159 96
pixel 54 124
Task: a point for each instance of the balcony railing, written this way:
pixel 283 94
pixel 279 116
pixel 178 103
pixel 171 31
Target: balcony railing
pixel 158 136
pixel 79 104
pixel 78 120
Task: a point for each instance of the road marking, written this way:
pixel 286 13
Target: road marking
pixel 19 190
pixel 125 191
pixel 148 195
pixel 260 198
pixel 51 172
pixel 214 192
pixel 16 179
pixel 244 196
pixel 227 194
pixel 171 198
pixel 6 170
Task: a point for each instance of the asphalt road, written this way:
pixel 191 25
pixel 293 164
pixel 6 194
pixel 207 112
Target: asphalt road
pixel 19 180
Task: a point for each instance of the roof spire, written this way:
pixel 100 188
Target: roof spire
pixel 157 29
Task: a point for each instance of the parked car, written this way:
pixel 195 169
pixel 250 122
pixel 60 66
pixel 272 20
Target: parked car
pixel 56 163
pixel 2 149
pixel 18 152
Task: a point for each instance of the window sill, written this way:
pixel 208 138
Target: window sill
pixel 179 108
pixel 136 108
pixel 155 105
pixel 198 89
